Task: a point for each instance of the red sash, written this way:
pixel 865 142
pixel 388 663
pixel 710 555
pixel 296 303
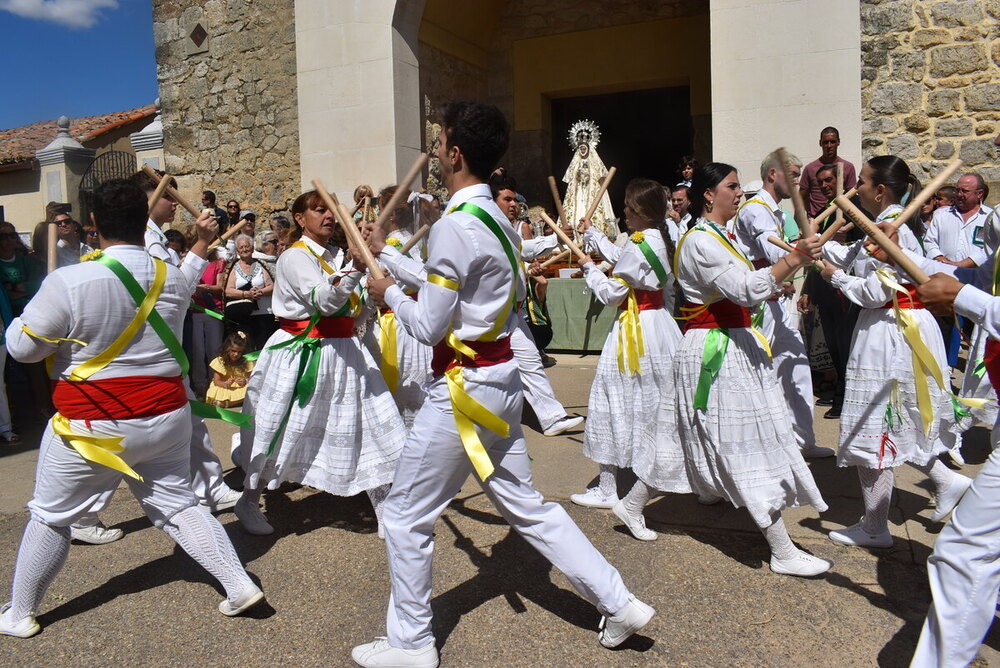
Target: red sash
pixel 722 314
pixel 647 300
pixel 328 327
pixel 991 359
pixel 118 398
pixel 909 300
pixel 488 353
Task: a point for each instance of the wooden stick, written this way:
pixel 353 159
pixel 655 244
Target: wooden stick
pixel 837 225
pixel 928 191
pixel 350 230
pixel 402 190
pixel 888 245
pixel 600 193
pixel 52 241
pixel 793 189
pixel 560 214
pixel 158 193
pixel 556 258
pixel 367 210
pixel 180 199
pixel 840 178
pixel 785 246
pixel 417 236
pixel 563 237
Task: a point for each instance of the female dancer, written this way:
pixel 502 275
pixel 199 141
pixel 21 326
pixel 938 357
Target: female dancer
pixel 723 428
pixel 885 423
pixel 323 416
pixel 635 362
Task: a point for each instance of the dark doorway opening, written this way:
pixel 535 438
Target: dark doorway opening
pixel 643 133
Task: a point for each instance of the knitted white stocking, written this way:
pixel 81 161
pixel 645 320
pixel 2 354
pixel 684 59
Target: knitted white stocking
pixel 203 538
pixel 40 557
pixel 876 491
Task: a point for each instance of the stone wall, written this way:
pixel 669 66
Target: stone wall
pixel 230 116
pixel 931 83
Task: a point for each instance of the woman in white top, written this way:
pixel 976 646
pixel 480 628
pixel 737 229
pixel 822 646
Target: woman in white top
pixel 635 362
pixel 248 289
pixel 883 425
pixel 323 416
pixel 723 428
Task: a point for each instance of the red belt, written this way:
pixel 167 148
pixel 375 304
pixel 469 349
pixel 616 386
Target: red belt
pixel 647 300
pixel 328 327
pixel 991 359
pixel 488 353
pixel 761 263
pixel 722 314
pixel 118 398
pixel 909 300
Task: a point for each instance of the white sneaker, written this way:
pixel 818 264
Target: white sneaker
pixel 947 501
pixel 563 424
pixel 956 455
pixel 635 524
pixel 252 518
pixel 855 535
pixel 380 654
pixel 593 498
pixel 817 452
pixel 227 501
pixel 248 598
pixel 24 628
pixel 802 564
pixel 617 629
pixel 95 535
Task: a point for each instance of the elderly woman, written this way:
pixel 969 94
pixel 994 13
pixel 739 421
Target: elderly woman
pixel 248 293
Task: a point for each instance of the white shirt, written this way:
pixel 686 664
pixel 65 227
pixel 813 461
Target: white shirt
pixel 463 251
pixel 707 270
pixel 191 268
pixel 760 218
pixel 67 256
pixel 631 266
pixel 88 302
pixel 301 282
pixel 955 238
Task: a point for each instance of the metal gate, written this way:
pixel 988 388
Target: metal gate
pixel 107 166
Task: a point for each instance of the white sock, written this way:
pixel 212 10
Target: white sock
pixel 377 496
pixel 876 491
pixel 939 474
pixel 779 541
pixel 607 480
pixel 203 538
pixel 637 498
pixel 40 557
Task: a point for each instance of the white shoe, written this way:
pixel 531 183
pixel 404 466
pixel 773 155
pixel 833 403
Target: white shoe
pixel 802 564
pixel 947 501
pixel 563 424
pixel 252 518
pixel 956 455
pixel 855 535
pixel 593 498
pixel 617 629
pixel 380 654
pixel 248 598
pixel 96 535
pixel 228 500
pixel 235 451
pixel 24 628
pixel 817 452
pixel 635 524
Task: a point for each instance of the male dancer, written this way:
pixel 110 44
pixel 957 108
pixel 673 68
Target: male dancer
pixel 759 218
pixel 122 408
pixel 466 312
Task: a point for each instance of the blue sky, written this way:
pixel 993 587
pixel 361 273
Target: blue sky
pixel 74 57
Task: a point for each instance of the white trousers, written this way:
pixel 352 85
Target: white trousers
pixel 68 487
pixel 431 471
pixel 206 340
pixel 537 388
pixel 791 364
pixel 964 574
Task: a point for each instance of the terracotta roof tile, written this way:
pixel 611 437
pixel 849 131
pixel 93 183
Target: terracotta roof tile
pixel 20 144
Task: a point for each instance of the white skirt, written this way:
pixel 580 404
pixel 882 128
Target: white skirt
pixel 741 447
pixel 347 437
pixel 621 406
pixel 977 387
pixel 879 369
pixel 414 372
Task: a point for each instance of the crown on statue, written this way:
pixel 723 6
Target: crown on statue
pixel 584 132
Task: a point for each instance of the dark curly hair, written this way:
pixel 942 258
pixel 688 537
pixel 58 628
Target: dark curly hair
pixel 480 131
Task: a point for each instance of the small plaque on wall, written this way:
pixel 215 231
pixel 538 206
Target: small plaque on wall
pixel 197 38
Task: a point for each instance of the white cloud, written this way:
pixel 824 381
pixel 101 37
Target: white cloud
pixel 70 13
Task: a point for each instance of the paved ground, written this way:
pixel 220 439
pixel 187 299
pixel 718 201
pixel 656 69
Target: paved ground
pixel 142 601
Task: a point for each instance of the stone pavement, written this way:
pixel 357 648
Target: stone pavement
pixel 497 602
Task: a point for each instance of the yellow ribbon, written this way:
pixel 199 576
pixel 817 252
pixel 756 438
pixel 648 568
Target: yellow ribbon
pixel 468 413
pixel 98 362
pixel 97 449
pixel 304 246
pixel 443 282
pixel 27 330
pixel 922 359
pixel 631 345
pixel 390 355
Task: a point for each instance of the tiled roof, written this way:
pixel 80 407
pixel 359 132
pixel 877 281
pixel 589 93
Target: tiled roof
pixel 20 144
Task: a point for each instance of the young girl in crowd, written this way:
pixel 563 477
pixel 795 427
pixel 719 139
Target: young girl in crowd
pixel 232 370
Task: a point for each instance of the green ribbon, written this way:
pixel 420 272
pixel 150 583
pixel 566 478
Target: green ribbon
pixel 980 370
pixel 654 262
pixel 716 344
pixel 203 410
pixel 207 311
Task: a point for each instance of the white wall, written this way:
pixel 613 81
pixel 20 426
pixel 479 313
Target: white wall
pixel 782 70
